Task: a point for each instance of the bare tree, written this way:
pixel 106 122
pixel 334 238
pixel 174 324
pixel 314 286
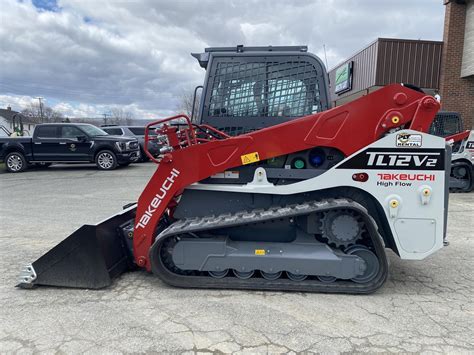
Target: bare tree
pixel 185 104
pixel 35 115
pixel 120 117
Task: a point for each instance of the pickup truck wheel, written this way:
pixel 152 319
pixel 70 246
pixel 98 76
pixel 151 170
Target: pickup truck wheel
pixel 15 162
pixel 143 157
pixel 106 160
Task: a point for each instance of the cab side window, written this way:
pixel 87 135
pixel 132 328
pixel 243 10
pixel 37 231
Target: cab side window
pixel 47 132
pixel 263 89
pixel 114 131
pixel 71 132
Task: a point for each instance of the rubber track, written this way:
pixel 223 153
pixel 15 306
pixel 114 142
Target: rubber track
pixel 258 283
pixel 471 182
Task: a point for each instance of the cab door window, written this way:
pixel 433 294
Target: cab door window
pixel 47 132
pixel 114 131
pixel 71 132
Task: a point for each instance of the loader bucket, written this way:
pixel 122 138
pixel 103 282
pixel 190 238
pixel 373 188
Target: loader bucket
pixel 91 257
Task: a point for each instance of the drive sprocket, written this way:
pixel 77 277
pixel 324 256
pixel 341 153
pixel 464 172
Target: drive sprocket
pixel 341 228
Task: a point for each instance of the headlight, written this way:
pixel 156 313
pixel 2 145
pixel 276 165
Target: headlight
pixel 121 146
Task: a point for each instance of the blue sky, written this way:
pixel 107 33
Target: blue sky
pixel 46 5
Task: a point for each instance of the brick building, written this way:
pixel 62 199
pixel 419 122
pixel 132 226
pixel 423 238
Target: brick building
pixel 457 69
pixel 444 67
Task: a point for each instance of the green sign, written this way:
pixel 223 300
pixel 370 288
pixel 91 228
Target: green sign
pixel 343 78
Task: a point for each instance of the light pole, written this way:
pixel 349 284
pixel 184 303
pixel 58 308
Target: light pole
pixel 41 107
pixel 105 118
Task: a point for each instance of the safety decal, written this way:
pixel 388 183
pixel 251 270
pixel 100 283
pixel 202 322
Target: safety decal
pixel 409 140
pixel 228 174
pixel 250 158
pixel 259 251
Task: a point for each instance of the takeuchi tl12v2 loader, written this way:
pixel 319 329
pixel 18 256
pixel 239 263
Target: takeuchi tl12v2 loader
pixel 272 189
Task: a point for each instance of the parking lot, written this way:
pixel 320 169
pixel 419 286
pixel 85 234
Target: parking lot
pixel 424 306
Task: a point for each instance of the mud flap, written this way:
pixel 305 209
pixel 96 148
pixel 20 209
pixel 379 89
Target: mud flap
pixel 91 257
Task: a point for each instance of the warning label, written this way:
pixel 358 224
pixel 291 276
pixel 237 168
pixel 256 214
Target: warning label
pixel 228 174
pixel 250 158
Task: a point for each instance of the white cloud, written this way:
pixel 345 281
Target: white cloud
pixel 91 56
pixel 16 102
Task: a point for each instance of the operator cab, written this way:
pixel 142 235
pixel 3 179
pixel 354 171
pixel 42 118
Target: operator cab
pixel 249 88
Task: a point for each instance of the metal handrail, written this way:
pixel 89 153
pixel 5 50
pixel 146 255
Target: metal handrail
pixel 191 139
pixel 184 138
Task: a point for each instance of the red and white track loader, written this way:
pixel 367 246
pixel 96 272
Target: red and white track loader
pixel 272 190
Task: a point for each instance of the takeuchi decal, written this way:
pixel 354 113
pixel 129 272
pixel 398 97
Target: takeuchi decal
pixel 407 177
pixel 157 199
pixel 402 179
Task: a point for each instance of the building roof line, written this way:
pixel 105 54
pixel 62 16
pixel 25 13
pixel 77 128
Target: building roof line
pixel 380 39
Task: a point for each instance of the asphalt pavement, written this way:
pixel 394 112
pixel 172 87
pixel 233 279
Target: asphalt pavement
pixel 425 306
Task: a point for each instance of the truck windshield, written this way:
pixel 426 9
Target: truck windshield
pixel 93 130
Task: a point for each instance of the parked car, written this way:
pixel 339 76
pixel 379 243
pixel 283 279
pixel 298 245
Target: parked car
pixel 139 133
pixel 68 143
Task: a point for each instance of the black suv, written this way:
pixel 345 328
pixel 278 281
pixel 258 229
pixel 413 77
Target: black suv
pixel 68 143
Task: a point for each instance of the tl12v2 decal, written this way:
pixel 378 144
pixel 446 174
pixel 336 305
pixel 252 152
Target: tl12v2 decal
pixel 396 159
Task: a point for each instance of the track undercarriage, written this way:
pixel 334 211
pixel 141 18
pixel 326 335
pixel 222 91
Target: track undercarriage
pixel 320 246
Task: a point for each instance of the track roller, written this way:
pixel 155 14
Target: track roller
pixel 243 275
pixel 371 262
pixel 327 279
pixel 270 275
pixel 219 274
pixel 296 277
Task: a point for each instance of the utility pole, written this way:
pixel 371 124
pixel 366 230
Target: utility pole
pixel 325 57
pixel 41 107
pixel 105 118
